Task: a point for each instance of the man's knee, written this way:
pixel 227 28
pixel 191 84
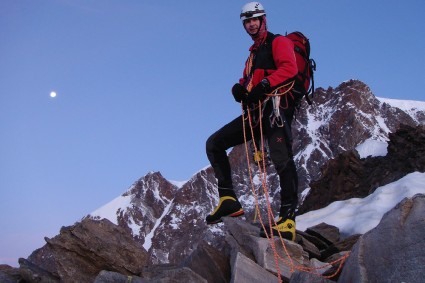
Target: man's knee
pixel 280 162
pixel 210 144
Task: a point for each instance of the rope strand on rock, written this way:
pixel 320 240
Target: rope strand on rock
pixel 270 217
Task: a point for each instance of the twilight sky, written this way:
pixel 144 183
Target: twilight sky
pixel 142 84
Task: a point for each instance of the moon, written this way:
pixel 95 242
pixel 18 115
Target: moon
pixel 52 94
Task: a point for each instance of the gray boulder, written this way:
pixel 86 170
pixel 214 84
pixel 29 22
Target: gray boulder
pixel 394 250
pixel 81 251
pixel 114 277
pixel 9 274
pixel 246 270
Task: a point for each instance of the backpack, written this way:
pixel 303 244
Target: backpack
pixel 304 81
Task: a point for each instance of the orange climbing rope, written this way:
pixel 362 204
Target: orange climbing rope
pixel 270 217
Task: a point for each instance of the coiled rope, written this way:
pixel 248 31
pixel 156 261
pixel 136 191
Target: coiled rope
pixel 261 164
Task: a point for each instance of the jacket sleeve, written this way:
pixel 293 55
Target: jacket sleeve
pixel 285 61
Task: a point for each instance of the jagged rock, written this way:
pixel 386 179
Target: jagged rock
pixel 184 222
pixel 176 275
pixel 246 270
pixel 32 273
pixel 209 263
pixel 337 261
pixel 233 248
pixel 115 277
pixel 327 233
pixel 348 176
pixel 340 179
pixel 9 274
pixel 6 278
pixel 407 144
pixel 244 240
pixel 151 271
pixel 243 232
pixel 307 277
pixel 166 275
pixel 309 247
pixel 81 251
pixel 393 250
pixel 319 267
pixel 340 246
pixel 321 245
pixel 290 254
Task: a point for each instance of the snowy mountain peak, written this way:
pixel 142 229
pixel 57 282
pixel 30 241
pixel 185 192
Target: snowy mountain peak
pixel 168 219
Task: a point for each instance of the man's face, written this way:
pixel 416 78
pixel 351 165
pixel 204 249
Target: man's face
pixel 252 25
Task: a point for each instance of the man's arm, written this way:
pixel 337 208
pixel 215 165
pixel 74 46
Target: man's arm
pixel 285 61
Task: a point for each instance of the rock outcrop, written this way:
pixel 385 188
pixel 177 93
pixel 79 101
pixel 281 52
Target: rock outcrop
pixel 97 251
pixel 393 251
pixel 81 251
pixel 348 176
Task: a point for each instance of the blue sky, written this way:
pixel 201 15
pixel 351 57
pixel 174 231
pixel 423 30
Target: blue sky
pixel 142 84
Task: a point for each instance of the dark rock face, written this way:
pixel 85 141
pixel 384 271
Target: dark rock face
pixel 211 264
pixel 9 274
pixel 348 176
pixel 150 196
pixel 81 251
pixel 183 222
pixel 339 120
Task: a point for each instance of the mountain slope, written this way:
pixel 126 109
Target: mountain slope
pixel 169 221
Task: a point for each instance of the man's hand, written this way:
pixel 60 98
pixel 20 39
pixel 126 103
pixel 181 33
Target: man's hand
pixel 259 91
pixel 239 92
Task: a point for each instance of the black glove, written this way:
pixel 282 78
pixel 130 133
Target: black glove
pixel 239 92
pixel 259 91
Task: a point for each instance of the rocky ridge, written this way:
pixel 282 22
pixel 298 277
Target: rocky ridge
pixel 100 251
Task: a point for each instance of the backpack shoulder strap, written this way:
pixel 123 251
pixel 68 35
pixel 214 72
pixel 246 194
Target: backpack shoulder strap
pixel 270 37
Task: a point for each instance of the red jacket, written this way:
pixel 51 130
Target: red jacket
pixel 279 66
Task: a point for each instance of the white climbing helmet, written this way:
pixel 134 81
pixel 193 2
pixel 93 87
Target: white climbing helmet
pixel 252 10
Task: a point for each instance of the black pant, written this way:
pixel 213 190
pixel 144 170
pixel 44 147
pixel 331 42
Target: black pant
pixel 280 147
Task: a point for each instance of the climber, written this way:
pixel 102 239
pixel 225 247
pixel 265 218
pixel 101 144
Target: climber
pixel 270 65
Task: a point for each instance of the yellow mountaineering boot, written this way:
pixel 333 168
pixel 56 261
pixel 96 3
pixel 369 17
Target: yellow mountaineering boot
pixel 285 225
pixel 227 206
pixel 284 228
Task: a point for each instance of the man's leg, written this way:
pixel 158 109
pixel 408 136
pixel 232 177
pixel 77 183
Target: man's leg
pixel 280 147
pixel 228 136
pixel 288 191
